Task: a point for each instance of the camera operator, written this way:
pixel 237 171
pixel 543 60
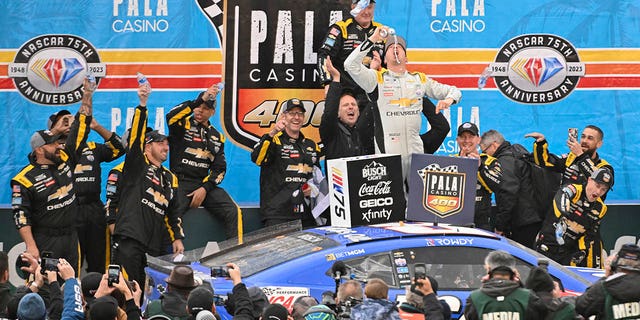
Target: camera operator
pixel 243 307
pixel 422 301
pixel 349 295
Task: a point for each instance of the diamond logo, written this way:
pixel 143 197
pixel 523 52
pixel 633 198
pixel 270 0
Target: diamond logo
pixel 537 70
pixel 57 71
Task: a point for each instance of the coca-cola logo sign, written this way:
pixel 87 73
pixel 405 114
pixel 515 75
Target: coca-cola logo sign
pixel 380 188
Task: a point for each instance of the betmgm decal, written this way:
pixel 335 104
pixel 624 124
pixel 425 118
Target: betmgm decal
pixel 443 193
pixel 50 69
pixel 537 69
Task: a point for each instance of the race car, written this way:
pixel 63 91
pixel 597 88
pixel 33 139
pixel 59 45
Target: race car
pixel 287 262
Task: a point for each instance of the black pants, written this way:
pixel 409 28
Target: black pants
pixel 92 234
pixel 131 255
pixel 526 235
pixel 217 202
pixel 61 244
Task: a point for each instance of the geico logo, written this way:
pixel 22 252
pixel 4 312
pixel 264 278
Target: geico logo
pixel 370 203
pixel 295 179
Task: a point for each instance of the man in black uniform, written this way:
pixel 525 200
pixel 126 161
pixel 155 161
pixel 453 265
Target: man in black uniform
pixel 147 205
pixel 43 193
pixel 617 295
pixel 569 234
pixel 516 217
pixel 489 173
pixel 342 38
pixel 286 159
pixel 197 158
pixel 582 160
pixel 87 173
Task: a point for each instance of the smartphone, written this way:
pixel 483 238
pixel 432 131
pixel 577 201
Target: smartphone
pixel 113 274
pixel 420 271
pixel 573 134
pixel 220 272
pixel 48 263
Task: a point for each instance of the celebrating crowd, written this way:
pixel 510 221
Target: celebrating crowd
pixel 374 105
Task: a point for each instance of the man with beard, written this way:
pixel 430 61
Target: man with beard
pixel 43 194
pixel 147 212
pixel 570 234
pixel 286 159
pixel 581 161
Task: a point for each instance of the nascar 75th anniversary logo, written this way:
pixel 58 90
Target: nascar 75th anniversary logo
pixel 49 69
pixel 443 189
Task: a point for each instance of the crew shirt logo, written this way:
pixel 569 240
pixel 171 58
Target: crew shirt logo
pixel 443 189
pixel 537 69
pixel 50 69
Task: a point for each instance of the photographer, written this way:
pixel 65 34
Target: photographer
pixel 349 295
pixel 173 302
pixel 377 304
pixel 105 307
pixel 422 301
pixel 242 303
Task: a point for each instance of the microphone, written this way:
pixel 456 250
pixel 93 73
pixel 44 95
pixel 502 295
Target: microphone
pixel 338 269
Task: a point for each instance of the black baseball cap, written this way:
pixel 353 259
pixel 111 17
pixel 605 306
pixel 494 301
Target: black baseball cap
pixel 154 136
pixel 629 257
pixel 469 127
pixel 42 137
pixel 356 1
pixel 53 119
pixel 604 176
pixel 293 103
pixel 211 103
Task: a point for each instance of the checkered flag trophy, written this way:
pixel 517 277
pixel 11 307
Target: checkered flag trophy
pixel 214 10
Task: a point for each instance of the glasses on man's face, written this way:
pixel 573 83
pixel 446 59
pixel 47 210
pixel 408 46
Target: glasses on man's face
pixel 296 113
pixel 484 148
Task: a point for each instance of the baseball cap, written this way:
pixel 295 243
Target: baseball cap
pixel 31 307
pixel 275 311
pixel 392 40
pixel 293 103
pixel 211 104
pixel 356 1
pixel 469 127
pixel 604 176
pixel 200 298
pixel 53 119
pixel 42 137
pixel 90 283
pixel 104 308
pixel 154 136
pixel 629 257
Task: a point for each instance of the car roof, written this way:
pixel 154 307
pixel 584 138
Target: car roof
pixel 347 236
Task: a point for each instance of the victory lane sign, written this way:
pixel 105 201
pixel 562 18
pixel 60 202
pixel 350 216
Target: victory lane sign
pixel 269 58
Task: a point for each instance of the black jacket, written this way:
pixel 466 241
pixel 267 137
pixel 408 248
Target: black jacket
pixel 338 139
pixel 432 139
pixel 514 197
pixel 622 287
pixel 147 202
pixel 87 172
pixel 197 150
pixel 285 165
pixel 535 310
pixel 243 307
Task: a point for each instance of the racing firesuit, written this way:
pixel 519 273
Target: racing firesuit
pixel 44 197
pixel 285 166
pixel 574 169
pixel 197 158
pixel 489 177
pixel 569 234
pixel 341 39
pixel 398 115
pixel 91 213
pixel 147 205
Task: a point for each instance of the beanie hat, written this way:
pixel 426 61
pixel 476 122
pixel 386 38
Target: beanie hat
pixel 539 281
pixel 31 307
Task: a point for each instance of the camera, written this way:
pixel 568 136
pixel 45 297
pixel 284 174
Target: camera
pixel 47 263
pixel 113 274
pixel 220 272
pixel 344 308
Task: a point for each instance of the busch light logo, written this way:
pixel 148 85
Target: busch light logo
pixel 443 189
pixel 374 171
pixel 537 69
pixel 50 69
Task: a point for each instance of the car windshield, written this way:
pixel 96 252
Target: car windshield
pixel 261 255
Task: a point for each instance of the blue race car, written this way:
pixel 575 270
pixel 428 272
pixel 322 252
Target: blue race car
pixel 287 262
